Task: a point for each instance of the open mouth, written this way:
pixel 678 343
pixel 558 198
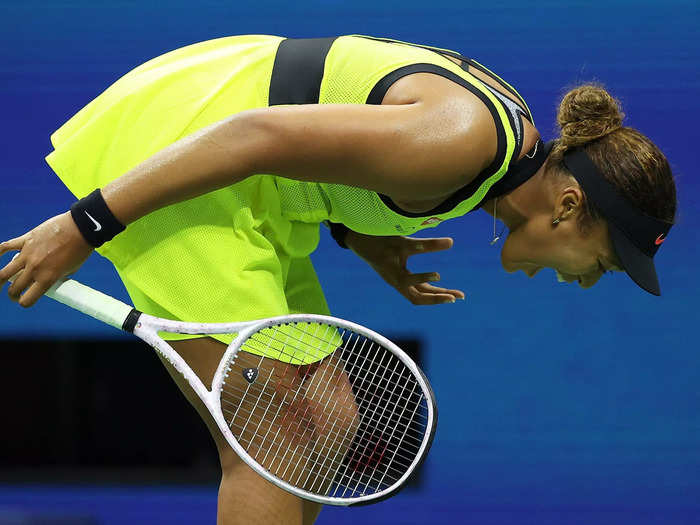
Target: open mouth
pixel 562 279
pixel 531 273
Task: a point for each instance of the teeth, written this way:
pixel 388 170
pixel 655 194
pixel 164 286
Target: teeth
pixel 560 278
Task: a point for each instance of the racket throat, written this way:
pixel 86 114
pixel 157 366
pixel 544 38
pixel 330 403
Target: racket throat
pixel 131 321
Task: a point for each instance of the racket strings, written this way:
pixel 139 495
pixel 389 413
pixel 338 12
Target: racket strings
pixel 362 426
pixel 347 441
pixel 289 431
pixel 282 355
pixel 420 419
pixel 366 447
pixel 365 450
pixel 378 421
pixel 336 448
pixel 310 461
pixel 265 394
pixel 323 478
pixel 367 454
pixel 353 424
pixel 420 434
pixel 362 442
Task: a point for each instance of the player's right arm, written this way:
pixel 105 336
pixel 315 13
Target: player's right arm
pixel 411 151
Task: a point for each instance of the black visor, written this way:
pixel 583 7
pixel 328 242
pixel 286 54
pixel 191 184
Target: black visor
pixel 635 235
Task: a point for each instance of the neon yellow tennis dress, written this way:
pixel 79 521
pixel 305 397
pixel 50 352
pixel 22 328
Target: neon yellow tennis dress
pixel 242 252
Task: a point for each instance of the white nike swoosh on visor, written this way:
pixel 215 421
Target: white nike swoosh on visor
pixel 98 226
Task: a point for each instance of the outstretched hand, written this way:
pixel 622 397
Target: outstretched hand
pixel 50 251
pixel 388 257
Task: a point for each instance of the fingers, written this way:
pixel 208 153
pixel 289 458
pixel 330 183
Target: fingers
pixel 12 244
pixel 417 296
pixel 421 293
pixel 416 245
pixel 14 265
pixel 421 280
pixel 429 288
pixel 10 269
pixel 413 279
pixel 21 282
pixel 32 295
pixel 26 288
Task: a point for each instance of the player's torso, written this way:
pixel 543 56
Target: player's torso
pixel 356 69
pixel 182 91
pixel 413 87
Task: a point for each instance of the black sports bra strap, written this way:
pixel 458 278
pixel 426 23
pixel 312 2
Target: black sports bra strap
pixel 298 70
pixel 466 63
pixel 469 62
pixel 438 50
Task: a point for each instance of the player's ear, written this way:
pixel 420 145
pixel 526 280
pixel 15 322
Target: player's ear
pixel 568 204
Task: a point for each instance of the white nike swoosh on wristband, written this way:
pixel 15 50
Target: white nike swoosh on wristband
pixel 98 226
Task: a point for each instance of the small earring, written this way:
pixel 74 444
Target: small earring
pixel 556 221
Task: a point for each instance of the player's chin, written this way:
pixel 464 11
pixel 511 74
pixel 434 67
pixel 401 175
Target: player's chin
pixel 587 284
pixel 583 282
pixel 529 269
pixel 509 265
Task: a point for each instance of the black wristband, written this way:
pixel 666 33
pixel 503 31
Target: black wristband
pixel 94 219
pixel 338 232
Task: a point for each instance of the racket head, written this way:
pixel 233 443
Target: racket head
pixel 345 423
pixel 372 428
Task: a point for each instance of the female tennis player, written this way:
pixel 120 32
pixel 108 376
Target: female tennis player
pixel 223 158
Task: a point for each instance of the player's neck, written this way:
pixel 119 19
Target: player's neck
pixel 527 200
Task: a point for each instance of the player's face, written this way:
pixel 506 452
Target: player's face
pixel 576 256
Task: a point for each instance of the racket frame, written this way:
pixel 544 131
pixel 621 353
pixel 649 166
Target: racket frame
pixel 146 327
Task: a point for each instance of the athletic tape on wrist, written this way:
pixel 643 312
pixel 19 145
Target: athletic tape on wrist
pixel 95 220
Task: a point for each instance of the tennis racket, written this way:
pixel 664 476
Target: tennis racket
pixel 345 421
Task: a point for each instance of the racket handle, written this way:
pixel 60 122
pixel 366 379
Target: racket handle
pixel 91 302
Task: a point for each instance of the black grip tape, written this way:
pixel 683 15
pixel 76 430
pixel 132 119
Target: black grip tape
pixel 131 320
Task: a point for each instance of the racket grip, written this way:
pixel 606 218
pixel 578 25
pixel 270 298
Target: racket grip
pixel 91 302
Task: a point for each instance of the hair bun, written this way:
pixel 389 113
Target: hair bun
pixel 587 113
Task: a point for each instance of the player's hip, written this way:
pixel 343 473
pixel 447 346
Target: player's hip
pixel 160 102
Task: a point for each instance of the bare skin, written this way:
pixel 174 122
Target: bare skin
pixel 427 139
pixel 244 496
pixel 535 241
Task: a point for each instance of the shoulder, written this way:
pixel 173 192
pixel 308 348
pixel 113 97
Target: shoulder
pixel 437 139
pixel 455 122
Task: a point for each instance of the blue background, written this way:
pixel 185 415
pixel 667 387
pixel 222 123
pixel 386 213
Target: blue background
pixel 557 405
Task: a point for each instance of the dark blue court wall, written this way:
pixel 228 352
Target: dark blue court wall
pixel 557 405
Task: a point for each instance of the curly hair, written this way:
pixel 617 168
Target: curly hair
pixel 589 117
